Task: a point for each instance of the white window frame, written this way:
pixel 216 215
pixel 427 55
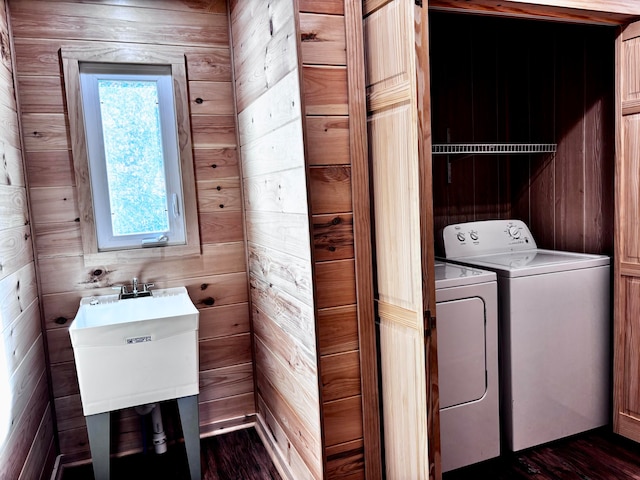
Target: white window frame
pixel 72 57
pixel 90 75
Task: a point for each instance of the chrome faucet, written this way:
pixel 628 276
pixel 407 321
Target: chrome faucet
pixel 134 293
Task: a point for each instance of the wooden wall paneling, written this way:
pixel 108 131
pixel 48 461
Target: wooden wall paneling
pixel 543 121
pixel 327 140
pixel 20 336
pixel 580 11
pixel 41 94
pixel 221 227
pixel 51 168
pixel 322 39
pixel 213 131
pixel 599 148
pixel 223 193
pixel 12 168
pixel 74 276
pixel 276 434
pixel 340 375
pixel 211 98
pixel 279 229
pixel 17 292
pixel 488 200
pixel 294 318
pixel 330 189
pixel 298 359
pixel 335 283
pixel 569 210
pixel 226 382
pixel 55 239
pixel 212 163
pixel 27 380
pixel 338 329
pixel 264 49
pixel 347 461
pixel 9 124
pixel 45 131
pixel 16 249
pixel 343 420
pixel 514 115
pixel 333 237
pixel 221 321
pixel 54 204
pixel 453 120
pixel 335 7
pixel 226 409
pixel 307 444
pixel 270 112
pixel 140 25
pixel 276 192
pixel 274 151
pixel 13 207
pixel 325 90
pixel 14 455
pixel 225 351
pixel 300 392
pixel 213 65
pixel 281 271
pixel 39 461
pixel 27 444
pixel 267 82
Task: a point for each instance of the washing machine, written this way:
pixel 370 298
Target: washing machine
pixel 467 312
pixel 554 329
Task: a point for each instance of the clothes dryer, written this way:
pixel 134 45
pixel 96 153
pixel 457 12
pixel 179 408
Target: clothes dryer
pixel 467 312
pixel 554 327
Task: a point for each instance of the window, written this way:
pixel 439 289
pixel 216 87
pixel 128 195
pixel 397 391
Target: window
pixel 133 155
pixel 129 122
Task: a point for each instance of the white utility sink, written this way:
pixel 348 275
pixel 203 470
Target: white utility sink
pixel 135 351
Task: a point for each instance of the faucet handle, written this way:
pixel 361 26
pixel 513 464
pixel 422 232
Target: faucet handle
pixel 147 286
pixel 121 288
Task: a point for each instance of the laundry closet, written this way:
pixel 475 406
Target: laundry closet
pixel 513 81
pixel 558 81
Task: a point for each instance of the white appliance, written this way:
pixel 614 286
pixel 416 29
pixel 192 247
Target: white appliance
pixel 554 322
pixel 467 312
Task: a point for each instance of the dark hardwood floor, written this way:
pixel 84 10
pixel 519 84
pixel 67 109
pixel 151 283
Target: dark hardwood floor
pixel 595 455
pixel 237 455
pixel 240 455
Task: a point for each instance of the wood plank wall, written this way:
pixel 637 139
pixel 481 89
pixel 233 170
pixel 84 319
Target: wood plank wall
pixel 325 92
pixel 270 125
pixel 27 448
pixel 217 282
pixel 506 80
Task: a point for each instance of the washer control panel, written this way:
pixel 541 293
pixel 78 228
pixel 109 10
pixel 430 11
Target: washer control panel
pixel 486 237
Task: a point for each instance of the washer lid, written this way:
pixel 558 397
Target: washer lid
pixel 534 262
pixel 450 275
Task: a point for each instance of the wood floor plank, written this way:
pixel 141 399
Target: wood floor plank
pixel 235 455
pixel 594 455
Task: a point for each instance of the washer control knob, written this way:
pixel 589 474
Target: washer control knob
pixel 474 235
pixel 460 236
pixel 514 232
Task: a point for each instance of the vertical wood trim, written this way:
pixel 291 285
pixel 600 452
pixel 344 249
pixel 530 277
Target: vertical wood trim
pixel 427 236
pixel 619 294
pixel 358 151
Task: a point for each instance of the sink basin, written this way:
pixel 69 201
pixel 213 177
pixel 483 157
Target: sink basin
pixel 135 351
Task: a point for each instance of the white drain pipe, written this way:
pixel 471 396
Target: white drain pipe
pixel 159 437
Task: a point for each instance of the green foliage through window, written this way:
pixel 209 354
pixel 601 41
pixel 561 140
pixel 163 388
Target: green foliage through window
pixel 134 157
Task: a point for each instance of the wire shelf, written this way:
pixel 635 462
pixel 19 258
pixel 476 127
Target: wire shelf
pixel 492 148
